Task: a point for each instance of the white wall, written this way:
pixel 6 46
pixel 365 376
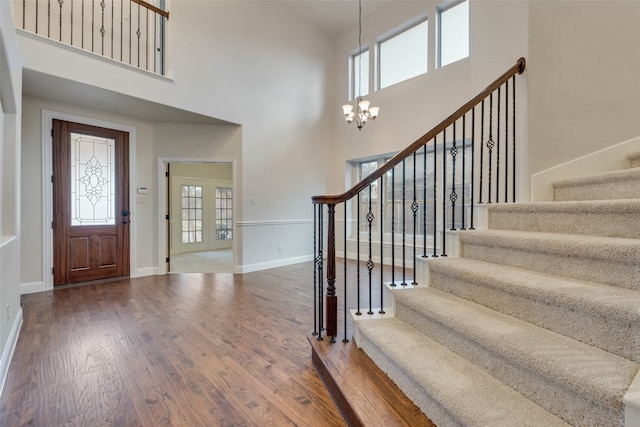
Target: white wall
pixel 10 219
pixel 584 78
pixel 253 63
pixel 499 36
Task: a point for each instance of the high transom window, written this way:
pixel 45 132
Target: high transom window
pixel 403 55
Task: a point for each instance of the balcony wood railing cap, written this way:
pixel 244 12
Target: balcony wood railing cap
pixel 152 7
pixel 518 68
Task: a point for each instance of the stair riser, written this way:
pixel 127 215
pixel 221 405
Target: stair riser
pixel 606 224
pixel 596 192
pixel 414 391
pixel 605 271
pixel 629 188
pixel 549 393
pixel 618 336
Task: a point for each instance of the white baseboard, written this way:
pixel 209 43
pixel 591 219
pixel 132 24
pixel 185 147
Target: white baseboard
pixel 7 354
pixel 248 268
pixel 147 271
pixel 31 288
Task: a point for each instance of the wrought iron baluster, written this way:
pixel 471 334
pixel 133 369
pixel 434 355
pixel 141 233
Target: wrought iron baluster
pixel 146 50
pixel 506 141
pixel 130 30
pixel 370 264
pixel 414 209
pixel 332 299
pixel 71 35
pixel 453 196
pixel 49 18
pixel 444 194
pixel 498 152
pixel 82 24
pixel 435 198
pixel 155 43
pixel 113 24
pixel 24 14
pixel 121 30
pixel 404 222
pixel 514 140
pixel 345 310
pixel 481 153
pixel 424 201
pixel 93 24
pixel 464 170
pixel 358 312
pixel 380 197
pixel 393 226
pixel 490 143
pixel 473 164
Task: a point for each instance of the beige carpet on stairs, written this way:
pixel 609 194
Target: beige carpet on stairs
pixel 536 323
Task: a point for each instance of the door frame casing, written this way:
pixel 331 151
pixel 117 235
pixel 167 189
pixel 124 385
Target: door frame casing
pixel 47 193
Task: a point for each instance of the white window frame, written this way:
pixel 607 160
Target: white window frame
pixel 420 19
pixel 439 11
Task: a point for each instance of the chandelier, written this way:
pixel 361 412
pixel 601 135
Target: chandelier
pixel 363 111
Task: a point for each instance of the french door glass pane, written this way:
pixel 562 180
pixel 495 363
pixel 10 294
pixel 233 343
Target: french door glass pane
pixel 92 180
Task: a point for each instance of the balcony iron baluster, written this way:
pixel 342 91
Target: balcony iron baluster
pixel 102 30
pixel 82 24
pixel 71 35
pixel 332 299
pixel 60 3
pixel 121 31
pixel 49 18
pixel 130 31
pixel 24 13
pixel 147 40
pixel 113 22
pixel 138 34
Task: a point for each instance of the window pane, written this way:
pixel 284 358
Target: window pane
pixel 360 74
pixel 92 180
pixel 404 56
pixel 454 33
pixel 224 213
pixel 191 213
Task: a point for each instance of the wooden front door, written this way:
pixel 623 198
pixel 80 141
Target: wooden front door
pixel 90 203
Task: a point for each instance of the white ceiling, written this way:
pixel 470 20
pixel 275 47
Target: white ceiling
pixel 335 16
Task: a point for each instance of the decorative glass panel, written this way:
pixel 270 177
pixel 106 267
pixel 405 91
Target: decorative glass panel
pixel 224 213
pixel 191 213
pixel 93 180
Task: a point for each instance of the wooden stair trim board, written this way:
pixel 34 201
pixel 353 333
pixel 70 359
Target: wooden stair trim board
pixel 363 393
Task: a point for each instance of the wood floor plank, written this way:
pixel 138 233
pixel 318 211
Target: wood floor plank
pixel 173 350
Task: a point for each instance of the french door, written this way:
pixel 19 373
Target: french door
pixel 90 203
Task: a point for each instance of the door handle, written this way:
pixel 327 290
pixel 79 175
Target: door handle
pixel 125 214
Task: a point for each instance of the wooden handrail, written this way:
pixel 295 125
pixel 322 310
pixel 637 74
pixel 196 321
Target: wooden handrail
pixel 518 68
pixel 152 7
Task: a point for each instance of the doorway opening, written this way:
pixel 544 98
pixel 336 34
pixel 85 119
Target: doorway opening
pixel 200 217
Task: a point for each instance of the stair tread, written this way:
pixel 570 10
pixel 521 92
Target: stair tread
pixel 576 365
pixel 601 247
pixel 452 380
pixel 581 206
pixel 609 301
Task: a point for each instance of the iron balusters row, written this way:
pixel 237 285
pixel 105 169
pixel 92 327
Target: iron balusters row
pixel 467 160
pixel 128 31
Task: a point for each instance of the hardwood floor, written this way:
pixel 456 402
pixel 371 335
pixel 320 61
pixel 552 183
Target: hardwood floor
pixel 173 350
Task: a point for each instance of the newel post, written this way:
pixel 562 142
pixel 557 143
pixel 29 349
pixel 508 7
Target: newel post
pixel 331 299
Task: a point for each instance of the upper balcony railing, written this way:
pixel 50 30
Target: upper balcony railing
pixel 128 31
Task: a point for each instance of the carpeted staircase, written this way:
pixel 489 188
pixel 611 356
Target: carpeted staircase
pixel 536 323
